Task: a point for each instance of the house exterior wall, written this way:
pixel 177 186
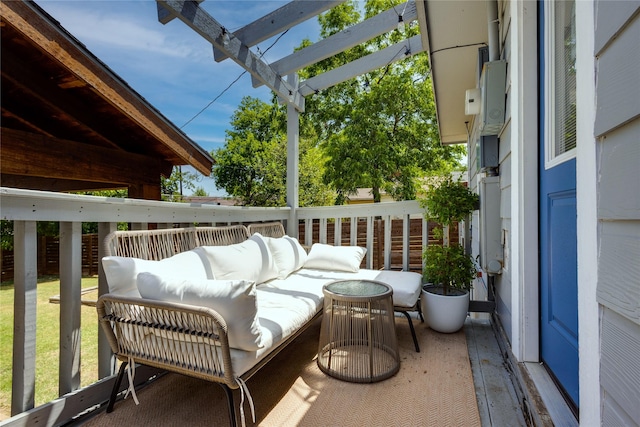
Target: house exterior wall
pixel 503 283
pixel 616 55
pixel 608 158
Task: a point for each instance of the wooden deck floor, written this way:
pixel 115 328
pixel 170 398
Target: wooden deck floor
pixel 498 403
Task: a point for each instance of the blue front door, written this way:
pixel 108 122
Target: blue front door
pixel 558 238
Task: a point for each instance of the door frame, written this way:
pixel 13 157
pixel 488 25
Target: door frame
pixel 523 70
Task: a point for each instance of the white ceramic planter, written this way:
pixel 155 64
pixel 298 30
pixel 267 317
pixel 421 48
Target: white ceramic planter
pixel 444 314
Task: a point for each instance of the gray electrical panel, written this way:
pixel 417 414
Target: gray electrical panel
pixel 493 83
pixel 491 249
pixel 489 151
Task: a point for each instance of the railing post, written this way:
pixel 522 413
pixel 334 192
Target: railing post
pixel 354 231
pixel 369 242
pixel 406 236
pixel 106 359
pixel 322 230
pixel 388 225
pixel 24 316
pixel 337 232
pixel 70 306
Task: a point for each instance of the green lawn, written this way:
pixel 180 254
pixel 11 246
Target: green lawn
pixel 47 342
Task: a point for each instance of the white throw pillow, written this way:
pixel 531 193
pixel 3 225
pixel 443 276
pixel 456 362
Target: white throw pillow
pixel 288 254
pixel 250 260
pixel 121 272
pixel 335 258
pixel 234 300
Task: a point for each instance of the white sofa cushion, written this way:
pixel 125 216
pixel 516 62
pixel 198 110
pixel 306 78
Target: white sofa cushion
pixel 121 272
pixel 250 260
pixel 406 286
pixel 288 254
pixel 335 258
pixel 234 300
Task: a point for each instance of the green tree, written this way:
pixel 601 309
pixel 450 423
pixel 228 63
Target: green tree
pixel 174 186
pixel 200 192
pixel 378 131
pixel 252 165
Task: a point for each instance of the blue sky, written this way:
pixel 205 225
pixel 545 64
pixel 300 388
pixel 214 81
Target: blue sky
pixel 170 65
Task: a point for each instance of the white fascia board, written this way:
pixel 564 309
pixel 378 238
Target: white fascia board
pixel 363 65
pixel 278 21
pixel 345 39
pixel 212 31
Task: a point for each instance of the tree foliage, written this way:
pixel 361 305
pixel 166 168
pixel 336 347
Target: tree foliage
pixel 174 186
pixel 252 165
pixel 378 131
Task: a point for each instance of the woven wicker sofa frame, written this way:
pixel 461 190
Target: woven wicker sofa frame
pixel 186 339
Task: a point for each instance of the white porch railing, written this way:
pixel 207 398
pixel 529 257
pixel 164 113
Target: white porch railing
pixel 26 207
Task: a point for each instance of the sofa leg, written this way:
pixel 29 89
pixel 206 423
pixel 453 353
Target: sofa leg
pixel 232 412
pixel 413 331
pixel 116 386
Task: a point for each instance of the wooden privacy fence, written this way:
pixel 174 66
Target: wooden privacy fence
pixel 49 257
pixel 49 254
pixel 415 239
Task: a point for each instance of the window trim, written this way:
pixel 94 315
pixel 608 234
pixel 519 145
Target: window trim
pixel 551 160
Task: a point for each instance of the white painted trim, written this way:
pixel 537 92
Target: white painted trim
pixel 555 404
pixel 524 186
pixel 587 222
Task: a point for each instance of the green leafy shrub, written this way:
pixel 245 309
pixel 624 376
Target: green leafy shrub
pixel 448 202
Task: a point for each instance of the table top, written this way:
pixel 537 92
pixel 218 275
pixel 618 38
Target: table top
pixel 358 288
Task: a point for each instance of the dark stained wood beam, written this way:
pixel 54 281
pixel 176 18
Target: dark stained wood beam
pixel 34 155
pixel 56 185
pixel 145 191
pixel 55 99
pixel 20 118
pixel 29 21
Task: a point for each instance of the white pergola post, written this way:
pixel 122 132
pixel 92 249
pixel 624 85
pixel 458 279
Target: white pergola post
pixel 293 155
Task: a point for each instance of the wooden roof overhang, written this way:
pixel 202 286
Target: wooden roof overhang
pixel 70 123
pixel 452 32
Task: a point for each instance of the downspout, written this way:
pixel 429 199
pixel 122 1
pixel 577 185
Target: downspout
pixel 493 25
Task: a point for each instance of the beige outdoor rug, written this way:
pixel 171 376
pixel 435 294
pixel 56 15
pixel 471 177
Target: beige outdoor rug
pixel 433 388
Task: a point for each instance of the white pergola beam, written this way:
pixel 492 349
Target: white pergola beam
pixel 212 31
pixel 165 16
pixel 278 21
pixel 363 65
pixel 345 39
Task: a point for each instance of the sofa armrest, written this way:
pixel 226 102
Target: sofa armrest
pixel 180 338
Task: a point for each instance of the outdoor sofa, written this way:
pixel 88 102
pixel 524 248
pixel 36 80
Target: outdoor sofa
pixel 217 303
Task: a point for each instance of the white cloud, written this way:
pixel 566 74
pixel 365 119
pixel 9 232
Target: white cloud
pixel 111 25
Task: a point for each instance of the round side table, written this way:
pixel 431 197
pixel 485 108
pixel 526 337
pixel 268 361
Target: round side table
pixel 358 336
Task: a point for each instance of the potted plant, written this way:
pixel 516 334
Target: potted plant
pixel 447 270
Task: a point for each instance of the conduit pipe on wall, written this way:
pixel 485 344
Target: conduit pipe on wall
pixel 493 28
